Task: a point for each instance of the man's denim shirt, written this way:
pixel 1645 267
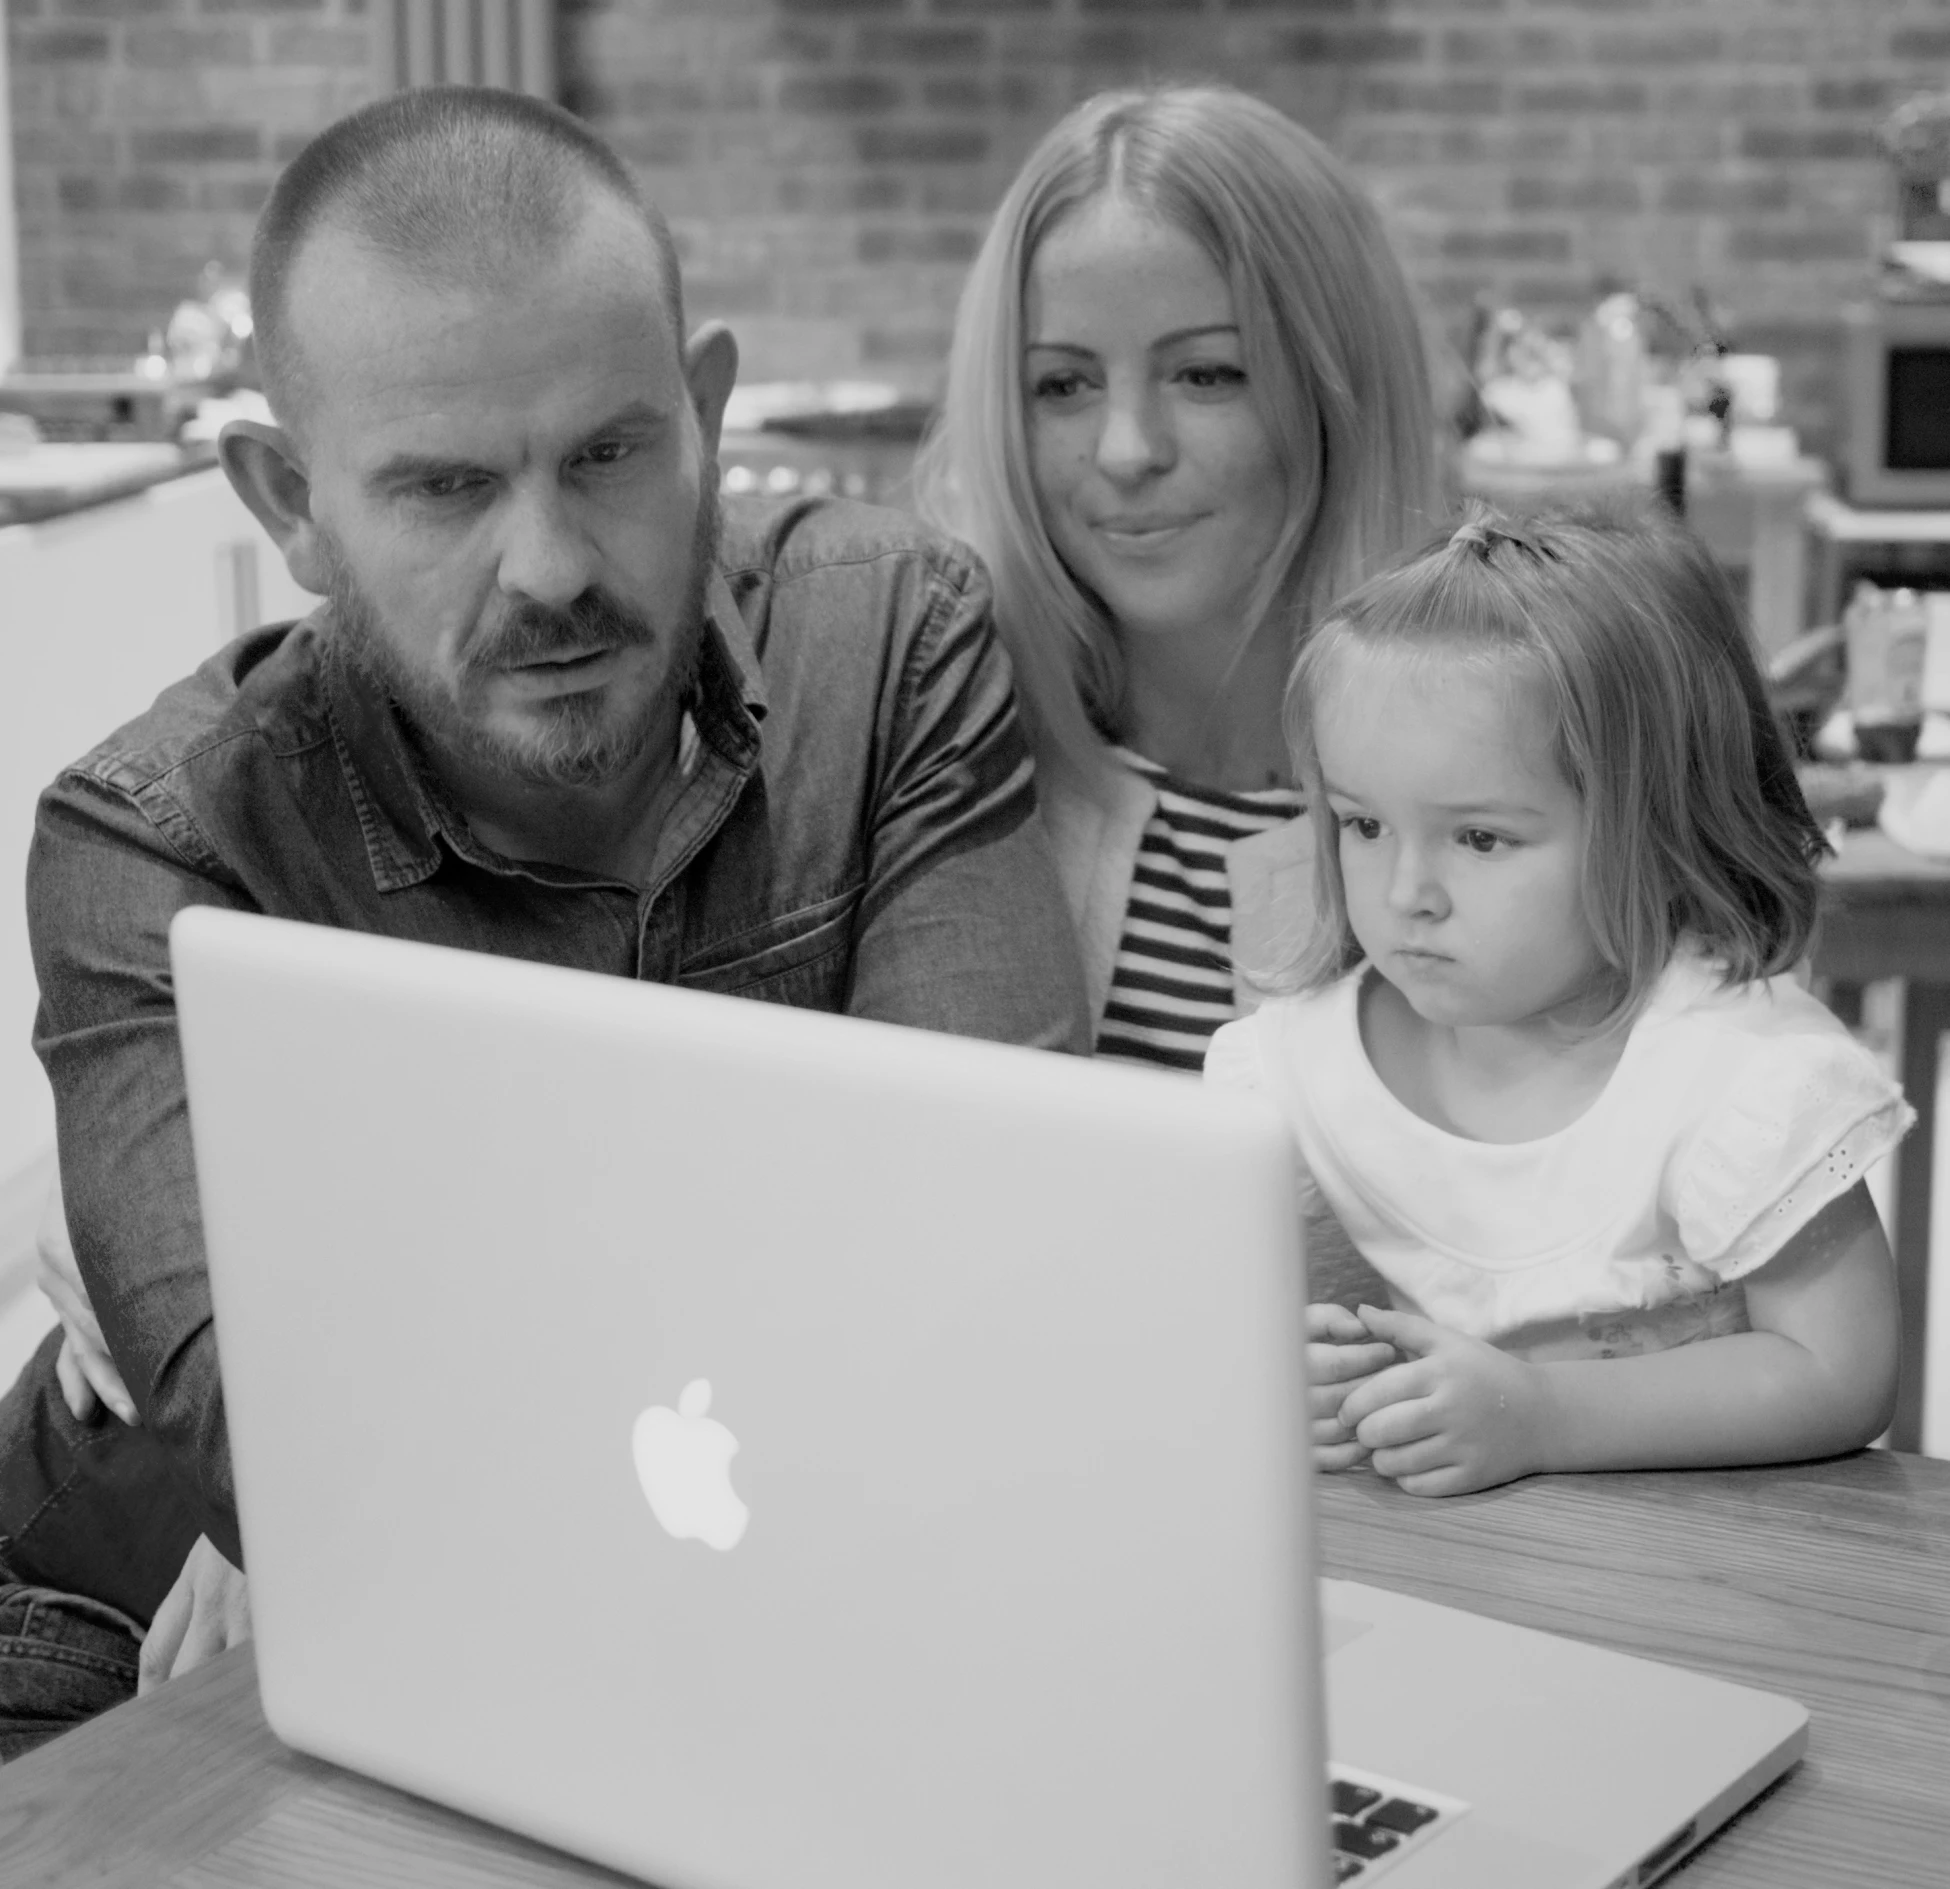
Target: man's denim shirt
pixel 855 832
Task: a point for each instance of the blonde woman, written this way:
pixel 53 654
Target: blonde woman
pixel 1187 405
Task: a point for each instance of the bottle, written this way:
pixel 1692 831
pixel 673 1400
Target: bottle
pixel 1884 635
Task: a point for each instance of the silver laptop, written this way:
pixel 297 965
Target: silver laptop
pixel 762 1450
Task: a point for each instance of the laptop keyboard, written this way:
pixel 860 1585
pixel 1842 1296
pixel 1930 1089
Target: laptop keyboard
pixel 1379 1820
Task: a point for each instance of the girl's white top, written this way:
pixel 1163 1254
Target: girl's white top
pixel 1732 1118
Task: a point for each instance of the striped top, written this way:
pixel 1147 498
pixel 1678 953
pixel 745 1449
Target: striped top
pixel 1171 981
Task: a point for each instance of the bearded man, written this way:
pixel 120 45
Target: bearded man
pixel 556 705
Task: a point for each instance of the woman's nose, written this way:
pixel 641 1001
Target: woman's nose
pixel 1136 437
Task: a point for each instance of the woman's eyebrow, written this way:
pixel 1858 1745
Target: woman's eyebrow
pixel 1171 340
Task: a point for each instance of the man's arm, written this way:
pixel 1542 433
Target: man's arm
pixel 964 926
pixel 103 882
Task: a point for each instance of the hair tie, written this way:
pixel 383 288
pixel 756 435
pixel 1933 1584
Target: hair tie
pixel 1483 539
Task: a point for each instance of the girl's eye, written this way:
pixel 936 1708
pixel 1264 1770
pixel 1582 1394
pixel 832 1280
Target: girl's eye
pixel 1363 826
pixel 1480 840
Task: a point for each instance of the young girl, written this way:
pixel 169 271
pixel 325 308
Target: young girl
pixel 1544 1056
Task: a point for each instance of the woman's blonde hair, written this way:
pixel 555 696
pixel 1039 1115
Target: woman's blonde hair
pixel 1629 636
pixel 1333 347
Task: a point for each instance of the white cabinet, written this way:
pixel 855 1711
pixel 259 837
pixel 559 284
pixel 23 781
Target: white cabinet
pixel 99 611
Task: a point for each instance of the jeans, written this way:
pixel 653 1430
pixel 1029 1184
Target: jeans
pixel 63 1659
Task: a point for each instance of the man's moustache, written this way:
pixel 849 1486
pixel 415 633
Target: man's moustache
pixel 532 632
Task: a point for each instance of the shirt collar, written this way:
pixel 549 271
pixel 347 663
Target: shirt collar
pixel 406 818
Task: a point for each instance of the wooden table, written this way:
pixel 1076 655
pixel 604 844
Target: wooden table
pixel 1830 1582
pixel 1889 916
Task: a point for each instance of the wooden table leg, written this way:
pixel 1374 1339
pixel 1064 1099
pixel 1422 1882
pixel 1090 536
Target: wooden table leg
pixel 1926 1015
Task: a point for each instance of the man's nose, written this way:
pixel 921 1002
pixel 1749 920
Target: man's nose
pixel 1136 437
pixel 545 553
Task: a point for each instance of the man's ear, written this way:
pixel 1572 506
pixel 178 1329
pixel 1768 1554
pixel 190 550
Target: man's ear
pixel 710 369
pixel 263 468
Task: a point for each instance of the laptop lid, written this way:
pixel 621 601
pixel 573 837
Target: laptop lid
pixel 750 1447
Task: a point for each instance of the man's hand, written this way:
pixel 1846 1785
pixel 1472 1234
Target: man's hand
pixel 85 1369
pixel 1340 1354
pixel 1457 1415
pixel 207 1612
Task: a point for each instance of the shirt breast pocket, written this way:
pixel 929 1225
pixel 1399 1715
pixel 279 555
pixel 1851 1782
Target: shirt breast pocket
pixel 803 958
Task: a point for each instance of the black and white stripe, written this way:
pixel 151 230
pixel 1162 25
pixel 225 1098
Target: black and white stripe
pixel 1171 982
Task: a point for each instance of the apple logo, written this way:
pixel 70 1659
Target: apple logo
pixel 683 1460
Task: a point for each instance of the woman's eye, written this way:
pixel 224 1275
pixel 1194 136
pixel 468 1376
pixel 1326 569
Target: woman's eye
pixel 1060 385
pixel 1363 826
pixel 1479 840
pixel 1211 376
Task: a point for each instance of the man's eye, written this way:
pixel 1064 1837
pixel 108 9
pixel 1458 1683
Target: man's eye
pixel 606 452
pixel 446 485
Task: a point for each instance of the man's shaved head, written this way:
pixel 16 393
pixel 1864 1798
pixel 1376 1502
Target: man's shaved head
pixel 452 184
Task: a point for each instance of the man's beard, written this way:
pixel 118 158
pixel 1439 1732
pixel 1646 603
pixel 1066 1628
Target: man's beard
pixel 577 739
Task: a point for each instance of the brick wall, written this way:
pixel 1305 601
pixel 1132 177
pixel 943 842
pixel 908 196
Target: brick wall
pixel 830 163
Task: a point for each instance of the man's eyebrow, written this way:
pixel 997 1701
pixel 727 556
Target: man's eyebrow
pixel 639 416
pixel 1170 340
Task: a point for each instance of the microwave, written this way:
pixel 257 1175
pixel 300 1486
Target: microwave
pixel 1896 385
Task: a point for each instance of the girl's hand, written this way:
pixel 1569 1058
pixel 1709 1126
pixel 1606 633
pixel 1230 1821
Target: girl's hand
pixel 1457 1415
pixel 1340 1354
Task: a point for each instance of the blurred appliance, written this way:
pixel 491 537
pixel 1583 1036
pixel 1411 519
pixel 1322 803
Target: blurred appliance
pixel 1896 383
pixel 1896 378
pixel 98 400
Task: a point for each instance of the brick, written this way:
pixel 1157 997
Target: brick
pixel 171 47
pixel 1351 45
pixel 1330 8
pixel 1011 93
pixel 803 193
pixel 240 196
pixel 1506 245
pixel 840 7
pixel 1783 143
pixel 1433 97
pixel 1584 96
pixel 1670 46
pixel 661 147
pixel 1504 141
pixel 1088 7
pixel 1920 42
pixel 261 6
pixel 948 9
pixel 152 191
pixel 922 144
pixel 58 45
pixel 1836 242
pixel 306 44
pixel 196 144
pixel 115 9
pixel 1856 94
pixel 1694 191
pixel 1603 191
pixel 842 92
pixel 1507 46
pixel 79 195
pixel 940 242
pixel 969 192
pixel 921 45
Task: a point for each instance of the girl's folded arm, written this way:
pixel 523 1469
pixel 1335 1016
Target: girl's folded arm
pixel 1816 1375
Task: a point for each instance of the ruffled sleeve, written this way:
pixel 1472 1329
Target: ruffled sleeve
pixel 1232 1058
pixel 1800 1121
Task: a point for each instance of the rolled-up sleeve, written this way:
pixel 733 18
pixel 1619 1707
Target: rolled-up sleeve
pixel 105 877
pixel 963 926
